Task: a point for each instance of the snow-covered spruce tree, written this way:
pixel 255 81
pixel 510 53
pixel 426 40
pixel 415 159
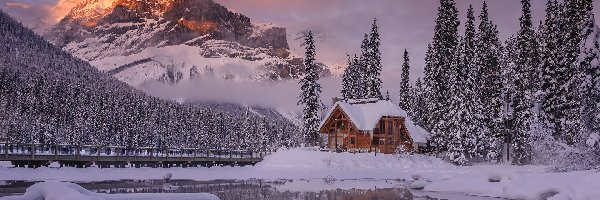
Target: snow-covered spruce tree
pixel 468 88
pixel 362 72
pixel 357 79
pixel 309 96
pixel 405 84
pixel 374 60
pixel 590 90
pixel 560 78
pixel 508 58
pixel 455 134
pixel 347 80
pixel 580 18
pixel 426 112
pixel 525 67
pixel 463 120
pixel 487 60
pixel 550 57
pixel 443 46
pixel 417 102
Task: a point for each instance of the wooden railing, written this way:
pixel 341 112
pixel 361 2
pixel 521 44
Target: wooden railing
pixel 89 153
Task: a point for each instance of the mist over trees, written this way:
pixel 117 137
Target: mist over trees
pixel 538 89
pixel 48 96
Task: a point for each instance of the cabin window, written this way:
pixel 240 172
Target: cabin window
pixel 340 125
pixel 352 140
pixel 382 126
pixel 390 128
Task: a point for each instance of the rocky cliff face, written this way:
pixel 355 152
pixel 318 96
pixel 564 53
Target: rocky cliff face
pixel 174 36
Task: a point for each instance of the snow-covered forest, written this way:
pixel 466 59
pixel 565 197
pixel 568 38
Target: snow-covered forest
pixel 47 96
pixel 538 92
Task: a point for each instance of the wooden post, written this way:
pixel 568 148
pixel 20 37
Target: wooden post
pixel 78 153
pixel 6 150
pixel 56 151
pixel 32 149
pixel 336 134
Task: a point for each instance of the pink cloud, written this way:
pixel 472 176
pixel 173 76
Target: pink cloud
pixel 20 5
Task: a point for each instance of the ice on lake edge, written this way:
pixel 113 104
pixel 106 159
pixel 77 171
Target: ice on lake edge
pixel 51 190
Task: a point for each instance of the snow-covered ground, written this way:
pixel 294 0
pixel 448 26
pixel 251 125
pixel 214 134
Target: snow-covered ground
pixel 70 191
pixel 515 182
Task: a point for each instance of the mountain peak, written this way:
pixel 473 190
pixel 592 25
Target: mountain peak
pixel 123 36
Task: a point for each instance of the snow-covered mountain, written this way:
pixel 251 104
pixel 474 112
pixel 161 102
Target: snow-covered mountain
pixel 174 41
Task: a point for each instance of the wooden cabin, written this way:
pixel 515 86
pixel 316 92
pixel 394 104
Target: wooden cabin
pixel 370 125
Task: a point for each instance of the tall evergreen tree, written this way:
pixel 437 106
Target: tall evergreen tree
pixel 462 124
pixel 357 79
pixel 471 119
pixel 405 84
pixel 363 83
pixel 579 28
pixel 347 80
pixel 549 54
pixel 374 63
pixel 487 61
pixel 451 122
pixel 439 55
pixel 522 103
pixel 417 102
pixel 309 97
pixel 590 86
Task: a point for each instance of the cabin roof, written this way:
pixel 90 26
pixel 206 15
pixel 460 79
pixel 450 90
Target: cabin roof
pixel 417 133
pixel 365 114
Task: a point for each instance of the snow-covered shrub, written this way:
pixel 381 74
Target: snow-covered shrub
pixel 416 177
pixel 402 151
pixel 418 185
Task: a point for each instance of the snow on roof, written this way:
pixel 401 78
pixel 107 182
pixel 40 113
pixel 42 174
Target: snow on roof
pixel 418 134
pixel 366 113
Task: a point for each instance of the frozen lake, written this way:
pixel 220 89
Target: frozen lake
pixel 260 189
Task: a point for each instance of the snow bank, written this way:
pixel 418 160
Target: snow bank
pixel 581 185
pixel 308 158
pixel 72 191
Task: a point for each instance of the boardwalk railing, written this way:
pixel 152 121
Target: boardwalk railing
pixel 42 153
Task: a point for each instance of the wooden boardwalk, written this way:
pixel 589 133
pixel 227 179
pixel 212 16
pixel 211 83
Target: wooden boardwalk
pixel 36 155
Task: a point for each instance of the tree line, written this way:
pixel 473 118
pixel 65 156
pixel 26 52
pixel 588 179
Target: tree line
pixel 539 88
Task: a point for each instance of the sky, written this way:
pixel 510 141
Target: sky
pixel 341 24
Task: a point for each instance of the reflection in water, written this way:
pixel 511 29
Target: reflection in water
pixel 314 189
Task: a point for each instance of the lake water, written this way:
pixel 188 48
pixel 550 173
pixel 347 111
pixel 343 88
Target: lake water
pixel 310 189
